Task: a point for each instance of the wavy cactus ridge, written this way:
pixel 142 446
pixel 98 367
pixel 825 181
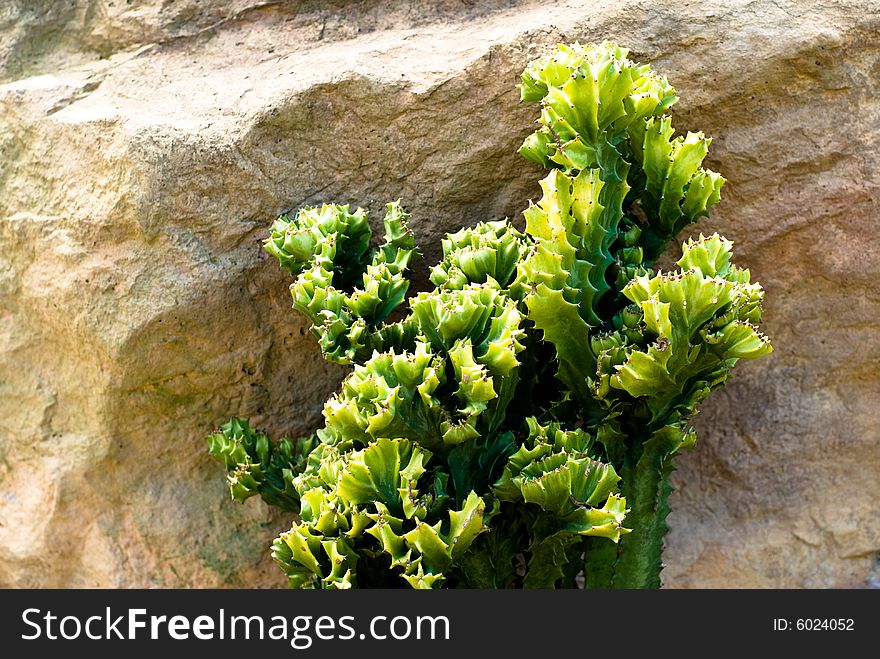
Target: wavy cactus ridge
pixel 588 94
pixel 516 425
pixel 374 494
pixel 486 253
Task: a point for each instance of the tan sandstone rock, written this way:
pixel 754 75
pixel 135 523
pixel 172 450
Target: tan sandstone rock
pixel 145 147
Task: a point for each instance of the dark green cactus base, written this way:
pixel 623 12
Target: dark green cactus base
pixel 636 561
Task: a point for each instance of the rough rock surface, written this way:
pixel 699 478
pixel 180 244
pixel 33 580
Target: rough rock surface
pixel 145 147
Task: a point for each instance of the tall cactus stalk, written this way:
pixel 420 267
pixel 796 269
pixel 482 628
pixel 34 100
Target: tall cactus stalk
pixel 517 426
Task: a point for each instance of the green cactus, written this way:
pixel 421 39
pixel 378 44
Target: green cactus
pixel 257 466
pixel 327 250
pixel 516 427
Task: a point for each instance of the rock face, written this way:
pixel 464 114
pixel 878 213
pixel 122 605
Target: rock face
pixel 147 146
